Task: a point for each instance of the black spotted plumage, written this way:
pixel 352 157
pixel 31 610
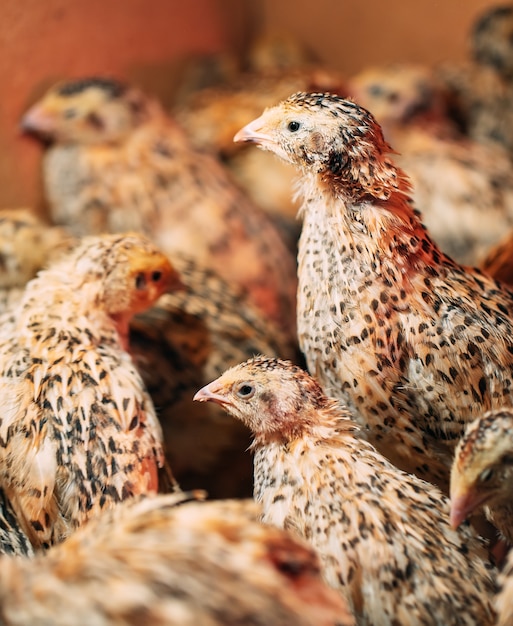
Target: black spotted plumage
pixel 383 536
pixel 415 344
pixel 78 430
pixel 111 86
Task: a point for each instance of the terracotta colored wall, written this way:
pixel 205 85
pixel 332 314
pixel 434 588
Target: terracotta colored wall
pixel 45 40
pixel 351 34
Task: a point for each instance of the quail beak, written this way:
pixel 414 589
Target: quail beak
pixel 464 504
pixel 210 394
pixel 37 121
pixel 253 132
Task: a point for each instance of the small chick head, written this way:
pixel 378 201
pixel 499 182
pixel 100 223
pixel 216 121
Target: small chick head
pixel 270 396
pixel 86 111
pixel 482 470
pixel 127 272
pixel 326 134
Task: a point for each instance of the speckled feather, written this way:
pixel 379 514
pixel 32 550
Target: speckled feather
pixel 78 431
pixel 187 338
pixel 13 539
pixel 481 89
pixel 383 536
pixel 415 344
pixel 503 601
pixel 482 471
pixel 165 561
pixel 118 163
pixel 463 189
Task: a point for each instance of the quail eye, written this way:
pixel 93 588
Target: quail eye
pixel 156 276
pixel 291 568
pixel 293 126
pixel 69 113
pixel 245 391
pixel 485 475
pixel 375 90
pixel 140 281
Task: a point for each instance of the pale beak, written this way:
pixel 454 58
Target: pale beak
pixel 253 132
pixel 37 120
pixel 463 505
pixel 208 394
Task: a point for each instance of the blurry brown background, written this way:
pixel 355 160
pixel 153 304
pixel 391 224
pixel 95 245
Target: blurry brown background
pixel 42 41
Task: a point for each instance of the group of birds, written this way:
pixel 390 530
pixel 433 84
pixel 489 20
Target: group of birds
pixel 159 325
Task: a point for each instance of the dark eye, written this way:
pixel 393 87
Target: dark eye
pixel 245 391
pixel 293 126
pixel 140 281
pixel 486 475
pixel 69 113
pixel 95 121
pixel 375 90
pixel 291 568
pixel 156 276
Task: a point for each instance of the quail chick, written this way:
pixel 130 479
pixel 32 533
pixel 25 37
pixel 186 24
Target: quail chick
pixel 383 536
pixel 463 189
pixel 26 246
pixel 161 560
pixel 211 116
pixel 118 163
pixel 482 471
pixel 79 432
pixel 415 344
pixel 481 90
pixel 186 339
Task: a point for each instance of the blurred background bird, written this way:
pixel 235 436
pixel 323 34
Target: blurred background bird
pixel 415 344
pixel 383 536
pixel 117 162
pixel 163 560
pixel 274 66
pixel 463 189
pixel 481 89
pixel 79 431
pixel 27 245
